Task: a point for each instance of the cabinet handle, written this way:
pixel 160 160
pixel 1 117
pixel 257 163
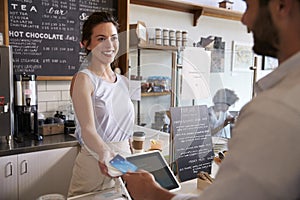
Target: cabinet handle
pixel 24 168
pixel 8 169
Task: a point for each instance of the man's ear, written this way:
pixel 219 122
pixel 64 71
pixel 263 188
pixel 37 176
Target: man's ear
pixel 284 7
pixel 281 10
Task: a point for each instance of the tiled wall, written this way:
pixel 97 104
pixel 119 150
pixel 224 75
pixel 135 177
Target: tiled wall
pixel 53 96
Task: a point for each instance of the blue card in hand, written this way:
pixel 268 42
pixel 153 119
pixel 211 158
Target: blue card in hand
pixel 122 164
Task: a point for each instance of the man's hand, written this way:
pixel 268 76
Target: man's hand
pixel 142 185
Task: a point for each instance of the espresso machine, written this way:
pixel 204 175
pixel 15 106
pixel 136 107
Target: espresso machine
pixel 26 108
pixel 6 94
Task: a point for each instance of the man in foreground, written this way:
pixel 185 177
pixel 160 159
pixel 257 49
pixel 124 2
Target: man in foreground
pixel 263 162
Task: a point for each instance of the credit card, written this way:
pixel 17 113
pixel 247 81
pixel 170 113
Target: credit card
pixel 123 165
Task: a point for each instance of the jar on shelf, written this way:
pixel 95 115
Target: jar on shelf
pixel 166 33
pixel 173 42
pixel 184 35
pixel 184 42
pixel 151 41
pixel 158 36
pixel 166 41
pixel 158 33
pixel 178 42
pixel 172 34
pixel 178 35
pixel 158 41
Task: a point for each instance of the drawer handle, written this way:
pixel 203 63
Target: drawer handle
pixel 24 168
pixel 8 169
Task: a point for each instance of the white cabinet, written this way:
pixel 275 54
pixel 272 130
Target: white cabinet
pixel 37 173
pixel 9 177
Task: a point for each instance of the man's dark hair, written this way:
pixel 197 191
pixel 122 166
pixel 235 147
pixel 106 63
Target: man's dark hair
pixel 92 21
pixel 265 2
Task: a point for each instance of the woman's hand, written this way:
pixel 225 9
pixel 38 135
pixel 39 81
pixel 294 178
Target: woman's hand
pixel 229 120
pixel 103 168
pixel 107 155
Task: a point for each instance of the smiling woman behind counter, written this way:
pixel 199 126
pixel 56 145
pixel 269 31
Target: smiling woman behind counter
pixel 104 128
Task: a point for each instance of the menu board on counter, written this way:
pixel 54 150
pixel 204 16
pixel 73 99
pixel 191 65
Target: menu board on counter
pixel 192 140
pixel 45 34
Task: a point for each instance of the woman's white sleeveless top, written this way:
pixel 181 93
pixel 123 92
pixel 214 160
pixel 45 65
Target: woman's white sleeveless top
pixel 113 109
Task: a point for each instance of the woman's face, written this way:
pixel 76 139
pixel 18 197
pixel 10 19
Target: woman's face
pixel 104 43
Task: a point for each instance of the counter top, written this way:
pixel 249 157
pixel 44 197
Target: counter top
pixel 29 145
pixel 157 135
pixel 187 187
pixel 65 140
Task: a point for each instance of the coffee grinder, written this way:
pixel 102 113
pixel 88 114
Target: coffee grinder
pixel 26 115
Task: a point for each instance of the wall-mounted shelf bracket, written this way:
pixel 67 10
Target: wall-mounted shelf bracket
pixel 197 15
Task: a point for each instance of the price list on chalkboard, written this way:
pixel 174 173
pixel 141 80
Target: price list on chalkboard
pixel 192 140
pixel 45 34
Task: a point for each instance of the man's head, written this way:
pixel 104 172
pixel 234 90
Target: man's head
pixel 258 19
pixel 270 21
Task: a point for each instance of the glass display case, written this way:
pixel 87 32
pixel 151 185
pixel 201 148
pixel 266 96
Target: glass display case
pixel 154 67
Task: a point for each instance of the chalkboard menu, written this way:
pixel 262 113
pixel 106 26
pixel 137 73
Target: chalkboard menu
pixel 45 34
pixel 192 141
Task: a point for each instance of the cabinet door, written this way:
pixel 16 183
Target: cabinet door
pixel 8 178
pixel 45 172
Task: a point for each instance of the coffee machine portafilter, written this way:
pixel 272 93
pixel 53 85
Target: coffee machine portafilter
pixel 26 108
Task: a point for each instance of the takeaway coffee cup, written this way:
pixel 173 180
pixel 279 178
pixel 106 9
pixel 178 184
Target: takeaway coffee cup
pixel 138 142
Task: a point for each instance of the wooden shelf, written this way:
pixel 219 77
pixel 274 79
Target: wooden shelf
pixel 150 94
pixel 158 47
pixel 196 9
